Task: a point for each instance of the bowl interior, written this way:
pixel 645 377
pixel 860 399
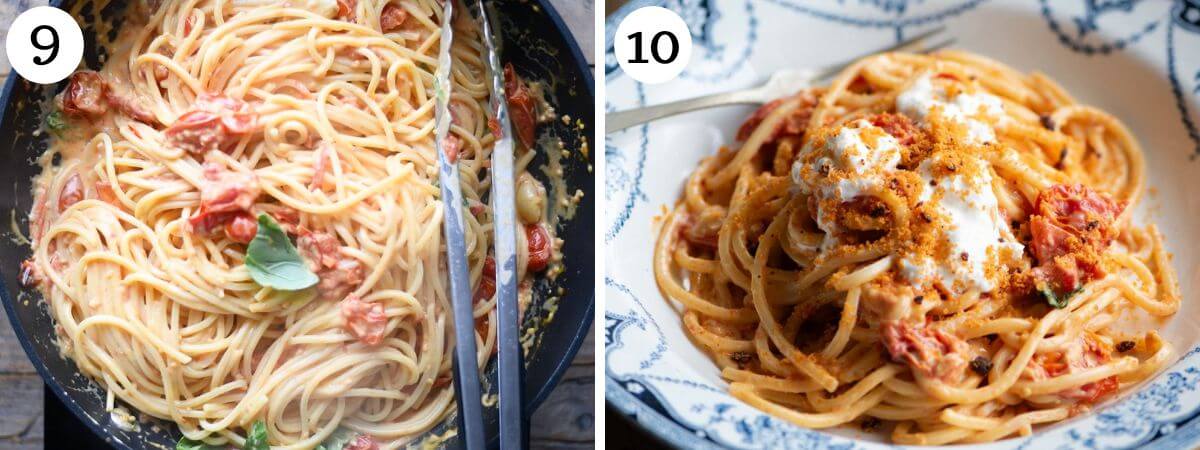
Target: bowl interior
pixel 740 45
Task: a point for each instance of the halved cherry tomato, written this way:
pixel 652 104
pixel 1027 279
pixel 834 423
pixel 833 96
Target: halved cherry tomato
pixel 539 247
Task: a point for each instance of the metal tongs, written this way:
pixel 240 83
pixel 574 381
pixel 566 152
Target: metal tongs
pixel 466 367
pixel 514 424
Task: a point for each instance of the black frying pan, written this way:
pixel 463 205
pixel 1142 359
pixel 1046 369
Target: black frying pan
pixel 536 42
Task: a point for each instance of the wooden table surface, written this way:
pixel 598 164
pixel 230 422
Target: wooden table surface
pixel 564 421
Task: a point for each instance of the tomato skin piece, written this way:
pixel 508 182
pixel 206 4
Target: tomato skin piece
pixel 538 241
pixel 196 132
pixel 1049 240
pixel 452 146
pixel 127 104
pixel 494 127
pixel 288 219
pixel 699 233
pixel 339 274
pixel 794 125
pixel 30 277
pixel 898 126
pixel 484 292
pixel 346 10
pixel 1090 354
pixel 215 122
pixel 755 119
pixel 242 228
pixel 84 94
pixel 319 248
pixel 188 24
pixel 487 283
pixel 105 192
pixel 1097 389
pixel 341 279
pixel 90 95
pixel 925 349
pixel 226 190
pixel 520 107
pixel 71 194
pixel 392 17
pixel 225 195
pixel 1072 225
pixel 1081 211
pixel 367 321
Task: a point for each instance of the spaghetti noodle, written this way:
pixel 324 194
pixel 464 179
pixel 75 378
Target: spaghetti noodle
pixel 935 242
pixel 304 128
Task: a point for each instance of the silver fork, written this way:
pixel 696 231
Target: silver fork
pixel 782 83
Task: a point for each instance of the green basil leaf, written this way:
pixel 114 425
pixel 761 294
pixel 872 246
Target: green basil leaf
pixel 188 444
pixel 1052 299
pixel 257 440
pixel 56 123
pixel 274 262
pixel 338 440
pixel 1055 300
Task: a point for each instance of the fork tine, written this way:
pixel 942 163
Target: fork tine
pixel 906 44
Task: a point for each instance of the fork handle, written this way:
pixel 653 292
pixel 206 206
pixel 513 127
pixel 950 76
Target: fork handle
pixel 620 120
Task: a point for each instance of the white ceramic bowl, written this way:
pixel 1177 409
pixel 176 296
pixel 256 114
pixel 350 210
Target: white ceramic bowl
pixel 1139 60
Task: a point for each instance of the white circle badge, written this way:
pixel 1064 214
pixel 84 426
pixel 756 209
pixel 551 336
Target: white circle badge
pixel 653 45
pixel 44 45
